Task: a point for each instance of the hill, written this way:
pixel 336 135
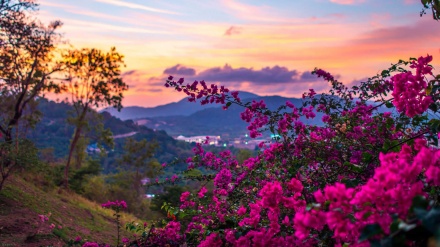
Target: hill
pixel 21 202
pixel 53 131
pixel 180 108
pixel 216 121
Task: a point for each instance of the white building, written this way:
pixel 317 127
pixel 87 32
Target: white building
pixel 212 140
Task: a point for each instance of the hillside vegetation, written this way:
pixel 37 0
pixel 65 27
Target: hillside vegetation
pixel 21 203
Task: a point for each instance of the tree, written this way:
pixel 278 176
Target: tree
pixel 26 64
pixel 92 80
pixel 138 157
pixel 26 61
pixel 93 130
pixel 434 5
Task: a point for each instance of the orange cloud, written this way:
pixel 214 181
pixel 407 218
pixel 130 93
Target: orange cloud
pixel 260 36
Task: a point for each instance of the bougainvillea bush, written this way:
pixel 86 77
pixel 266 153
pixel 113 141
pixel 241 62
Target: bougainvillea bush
pixel 369 176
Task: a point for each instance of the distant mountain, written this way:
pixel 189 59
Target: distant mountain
pixel 216 121
pixel 191 119
pixel 181 108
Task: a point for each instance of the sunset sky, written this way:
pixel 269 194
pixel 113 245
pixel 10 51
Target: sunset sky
pixel 265 47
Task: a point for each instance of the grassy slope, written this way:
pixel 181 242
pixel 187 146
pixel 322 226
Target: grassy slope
pixel 21 203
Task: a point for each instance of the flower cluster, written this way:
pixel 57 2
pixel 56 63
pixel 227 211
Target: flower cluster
pixel 315 185
pixel 210 94
pixel 115 204
pixel 410 90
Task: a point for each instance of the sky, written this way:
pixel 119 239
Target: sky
pixel 266 47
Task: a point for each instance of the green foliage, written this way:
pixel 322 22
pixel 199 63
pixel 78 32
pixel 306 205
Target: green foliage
pixel 170 197
pixel 243 154
pixel 434 5
pixel 15 156
pixel 26 64
pixel 138 157
pixel 81 176
pixel 423 227
pixel 96 189
pixel 26 58
pixel 92 80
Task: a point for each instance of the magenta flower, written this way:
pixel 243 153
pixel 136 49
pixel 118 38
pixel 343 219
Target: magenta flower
pixel 202 192
pixel 43 218
pixel 241 211
pixel 90 244
pixel 409 91
pixel 184 196
pixel 115 204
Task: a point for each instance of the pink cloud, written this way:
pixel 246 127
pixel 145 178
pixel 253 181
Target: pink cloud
pixel 136 6
pixel 408 2
pixel 347 2
pixel 233 30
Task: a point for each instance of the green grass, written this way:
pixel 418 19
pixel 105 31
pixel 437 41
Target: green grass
pixel 77 215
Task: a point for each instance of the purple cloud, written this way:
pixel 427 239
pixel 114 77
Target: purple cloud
pixel 267 75
pixel 179 70
pixel 423 29
pixel 273 79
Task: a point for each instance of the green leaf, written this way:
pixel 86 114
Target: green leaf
pixel 433 107
pixel 428 90
pixel 370 231
pixel 394 226
pixel 431 220
pixel 389 104
pixel 420 203
pixel 366 215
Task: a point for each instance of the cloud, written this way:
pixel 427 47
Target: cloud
pixel 149 90
pixel 136 6
pixel 275 74
pixel 307 76
pixel 402 36
pixel 347 2
pixel 179 70
pixel 233 30
pixel 262 13
pixel 87 25
pixel 269 80
pixel 356 82
pixel 408 2
pixel 128 73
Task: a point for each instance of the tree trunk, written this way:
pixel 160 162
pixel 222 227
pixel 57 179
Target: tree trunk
pixel 73 144
pixel 8 136
pixel 72 147
pixel 2 182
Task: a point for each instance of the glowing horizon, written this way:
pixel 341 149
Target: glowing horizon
pixel 256 46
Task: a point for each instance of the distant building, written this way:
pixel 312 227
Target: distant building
pixel 212 140
pixel 93 148
pixel 145 181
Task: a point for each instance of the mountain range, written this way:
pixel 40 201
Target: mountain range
pixel 192 119
pixel 180 108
